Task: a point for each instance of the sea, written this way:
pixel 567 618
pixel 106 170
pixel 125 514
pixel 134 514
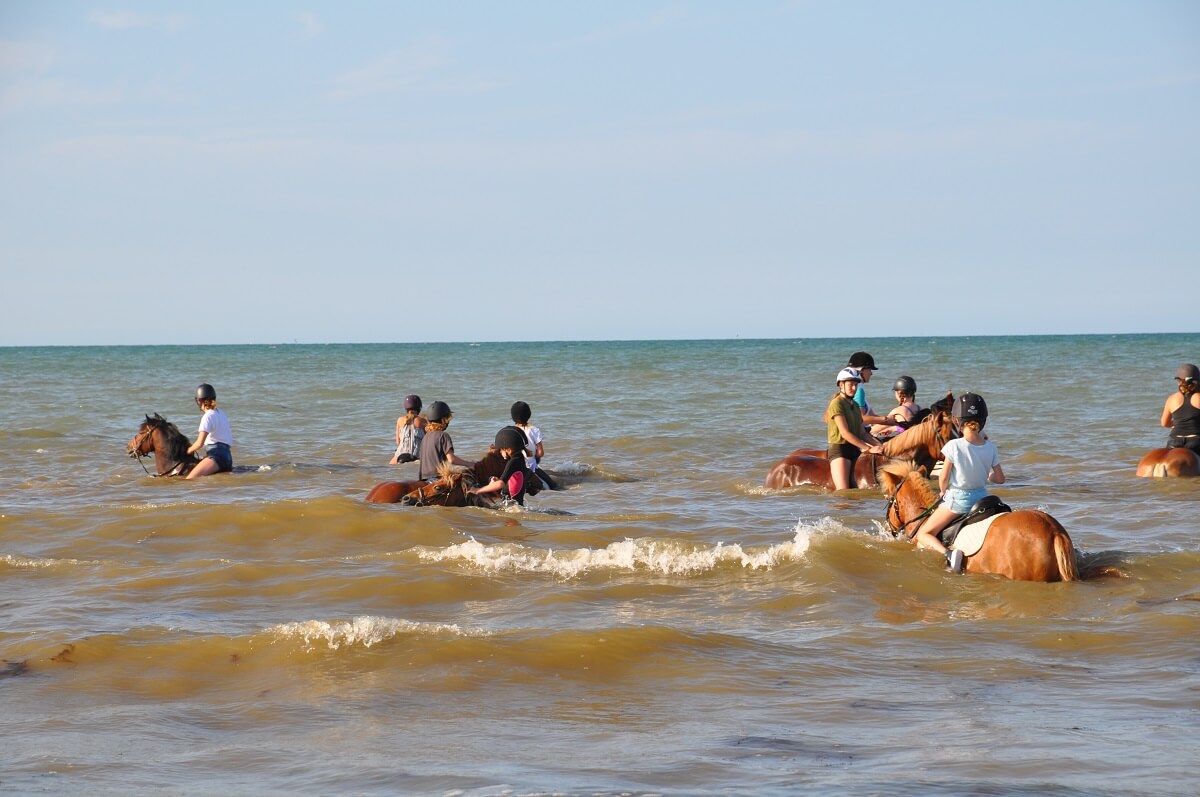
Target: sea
pixel 664 625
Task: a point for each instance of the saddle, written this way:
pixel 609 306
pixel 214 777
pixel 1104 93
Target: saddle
pixel 986 507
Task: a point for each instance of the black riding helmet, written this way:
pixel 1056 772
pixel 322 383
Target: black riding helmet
pixel 860 359
pixel 439 411
pixel 510 437
pixel 520 412
pixel 906 385
pixel 206 391
pixel 970 407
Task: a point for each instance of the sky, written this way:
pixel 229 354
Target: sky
pixel 277 172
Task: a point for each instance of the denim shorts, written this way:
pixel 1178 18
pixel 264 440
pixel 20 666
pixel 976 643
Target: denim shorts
pixel 961 501
pixel 222 455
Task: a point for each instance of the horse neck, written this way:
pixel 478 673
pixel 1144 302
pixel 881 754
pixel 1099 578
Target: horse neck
pixel 169 454
pixel 919 436
pixel 917 498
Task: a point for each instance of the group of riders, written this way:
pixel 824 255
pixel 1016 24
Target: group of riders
pixel 971 461
pixel 852 428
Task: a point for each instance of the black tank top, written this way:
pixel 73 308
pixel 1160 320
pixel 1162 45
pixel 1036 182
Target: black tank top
pixel 1185 420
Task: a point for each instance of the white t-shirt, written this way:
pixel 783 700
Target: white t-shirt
pixel 534 435
pixel 972 464
pixel 216 424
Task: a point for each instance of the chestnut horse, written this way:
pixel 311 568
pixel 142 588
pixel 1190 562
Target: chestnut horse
pixel 1025 545
pixel 160 437
pixel 492 464
pixel 1169 462
pixel 921 442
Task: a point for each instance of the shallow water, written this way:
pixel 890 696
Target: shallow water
pixel 680 631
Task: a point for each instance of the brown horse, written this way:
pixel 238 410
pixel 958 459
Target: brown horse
pixel 1169 462
pixel 1025 545
pixel 162 438
pixel 491 464
pixel 921 443
pixel 449 490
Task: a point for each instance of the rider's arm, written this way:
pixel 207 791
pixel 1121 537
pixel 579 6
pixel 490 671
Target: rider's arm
pixel 1167 410
pixel 997 475
pixel 944 476
pixel 199 444
pixel 855 440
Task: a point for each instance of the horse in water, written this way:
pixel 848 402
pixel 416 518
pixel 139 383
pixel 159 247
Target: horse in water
pixel 1169 462
pixel 921 443
pixel 1025 545
pixel 160 437
pixel 446 489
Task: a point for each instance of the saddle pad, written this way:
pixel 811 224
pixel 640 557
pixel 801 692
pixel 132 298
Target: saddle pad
pixel 970 539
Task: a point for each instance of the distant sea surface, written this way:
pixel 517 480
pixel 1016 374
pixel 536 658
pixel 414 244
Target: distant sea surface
pixel 663 626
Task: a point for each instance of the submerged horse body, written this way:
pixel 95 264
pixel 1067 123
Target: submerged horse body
pixel 921 443
pixel 1024 545
pixel 1169 463
pixel 450 489
pixel 160 437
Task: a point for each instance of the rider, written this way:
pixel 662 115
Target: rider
pixel 906 408
pixel 436 446
pixel 864 363
pixel 971 461
pixel 844 430
pixel 510 442
pixel 410 430
pixel 1181 413
pixel 215 437
pixel 521 414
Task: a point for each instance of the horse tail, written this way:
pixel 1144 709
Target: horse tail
pixel 1064 553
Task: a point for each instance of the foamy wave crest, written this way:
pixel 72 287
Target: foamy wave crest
pixel 659 556
pixel 26 562
pixel 365 631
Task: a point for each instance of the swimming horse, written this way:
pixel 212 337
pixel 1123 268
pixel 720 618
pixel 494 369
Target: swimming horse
pixel 1169 462
pixel 160 437
pixel 922 442
pixel 450 489
pixel 1025 545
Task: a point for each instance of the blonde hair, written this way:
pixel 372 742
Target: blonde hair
pixel 207 404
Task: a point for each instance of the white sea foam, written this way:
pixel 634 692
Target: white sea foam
pixel 668 557
pixel 27 562
pixel 365 631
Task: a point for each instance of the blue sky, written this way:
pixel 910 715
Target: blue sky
pixel 398 171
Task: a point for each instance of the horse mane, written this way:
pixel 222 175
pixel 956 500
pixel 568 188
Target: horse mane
pixel 905 470
pixel 911 438
pixel 176 443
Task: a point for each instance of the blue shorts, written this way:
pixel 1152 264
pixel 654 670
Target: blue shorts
pixel 222 455
pixel 961 501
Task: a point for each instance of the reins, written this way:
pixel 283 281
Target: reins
pixel 902 528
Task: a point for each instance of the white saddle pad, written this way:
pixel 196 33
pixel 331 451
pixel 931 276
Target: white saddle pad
pixel 970 539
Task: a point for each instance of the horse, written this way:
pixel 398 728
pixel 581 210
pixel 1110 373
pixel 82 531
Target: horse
pixel 1169 462
pixel 481 472
pixel 449 490
pixel 162 438
pixel 1024 545
pixel 921 443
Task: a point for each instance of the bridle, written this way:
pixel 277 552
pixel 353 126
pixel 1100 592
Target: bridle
pixel 136 451
pixel 900 526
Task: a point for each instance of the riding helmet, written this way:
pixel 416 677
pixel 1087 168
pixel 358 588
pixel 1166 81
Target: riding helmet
pixel 1188 373
pixel 206 391
pixel 510 437
pixel 906 385
pixel 439 411
pixel 970 407
pixel 520 412
pixel 849 375
pixel 860 359
pixel 412 402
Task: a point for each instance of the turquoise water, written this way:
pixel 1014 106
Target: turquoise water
pixel 665 625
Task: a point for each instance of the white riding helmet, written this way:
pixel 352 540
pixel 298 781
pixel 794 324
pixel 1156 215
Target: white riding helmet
pixel 849 375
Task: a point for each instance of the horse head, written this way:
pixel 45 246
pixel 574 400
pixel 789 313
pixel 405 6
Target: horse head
pixel 158 436
pixel 923 441
pixel 910 498
pixel 449 490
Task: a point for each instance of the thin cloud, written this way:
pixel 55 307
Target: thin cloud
pixel 422 67
pixel 310 23
pixel 24 56
pixel 637 26
pixel 131 20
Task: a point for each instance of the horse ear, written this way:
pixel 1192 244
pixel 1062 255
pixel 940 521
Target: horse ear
pixel 889 481
pixel 924 471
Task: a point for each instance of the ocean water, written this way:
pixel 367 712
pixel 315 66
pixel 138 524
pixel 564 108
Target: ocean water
pixel 662 626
